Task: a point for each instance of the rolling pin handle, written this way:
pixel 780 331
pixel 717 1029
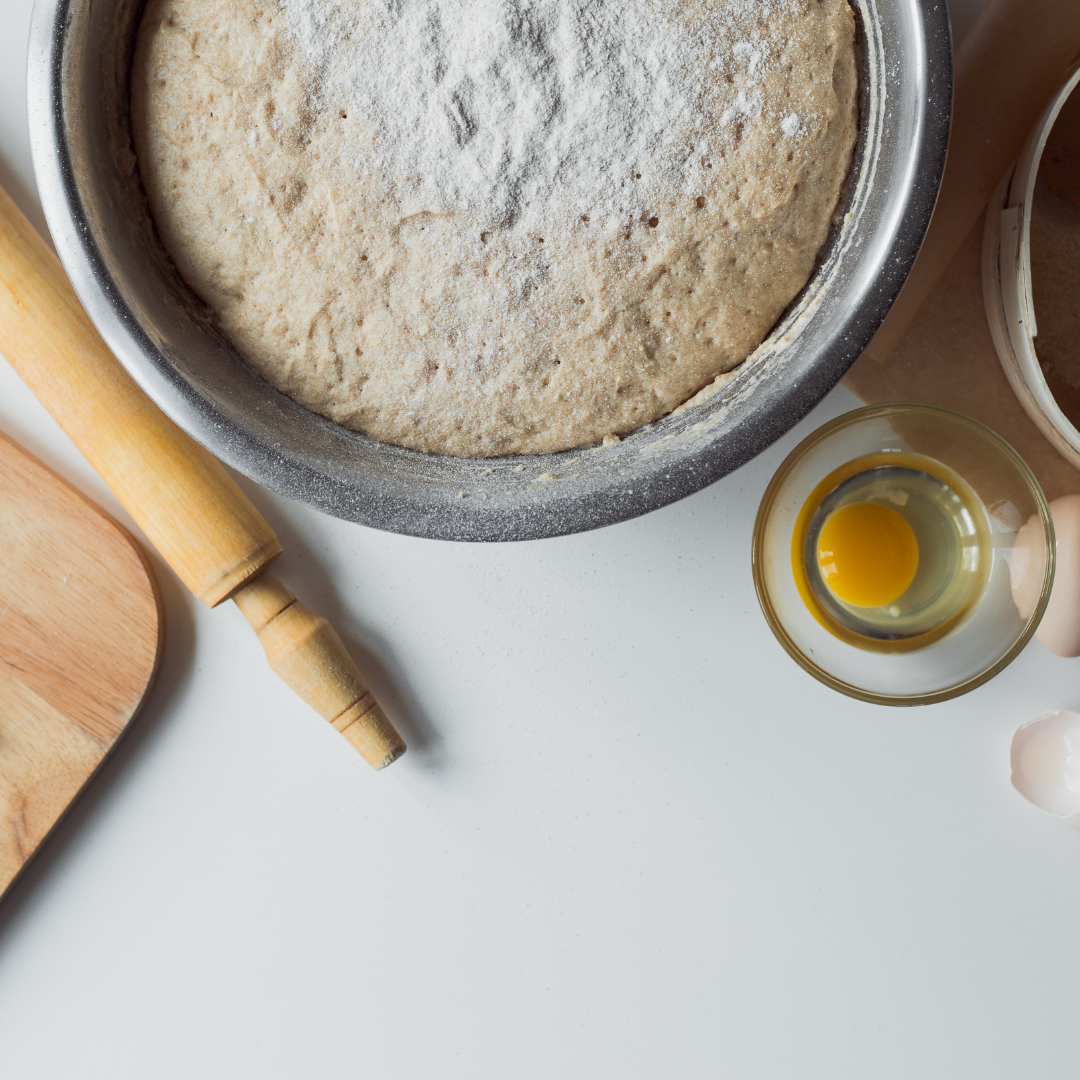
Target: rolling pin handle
pixel 306 652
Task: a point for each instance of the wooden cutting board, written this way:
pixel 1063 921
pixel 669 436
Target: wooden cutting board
pixel 80 641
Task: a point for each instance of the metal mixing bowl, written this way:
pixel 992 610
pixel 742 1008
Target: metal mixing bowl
pixel 80 55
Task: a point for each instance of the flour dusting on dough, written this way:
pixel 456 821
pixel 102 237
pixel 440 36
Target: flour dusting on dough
pixel 483 227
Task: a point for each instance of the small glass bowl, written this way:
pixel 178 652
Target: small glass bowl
pixel 991 635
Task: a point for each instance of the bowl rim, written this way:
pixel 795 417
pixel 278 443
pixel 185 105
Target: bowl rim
pixel 1006 281
pixel 756 421
pixel 850 419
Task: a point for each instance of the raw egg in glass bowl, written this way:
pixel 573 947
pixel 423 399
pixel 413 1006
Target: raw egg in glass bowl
pixel 882 554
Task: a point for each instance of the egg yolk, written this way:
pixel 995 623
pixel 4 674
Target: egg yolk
pixel 868 554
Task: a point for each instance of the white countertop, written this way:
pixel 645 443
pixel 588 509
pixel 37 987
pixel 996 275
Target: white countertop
pixel 630 838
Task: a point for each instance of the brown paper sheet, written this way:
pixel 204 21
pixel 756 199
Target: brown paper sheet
pixel 947 358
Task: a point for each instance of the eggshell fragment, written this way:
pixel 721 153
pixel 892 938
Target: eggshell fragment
pixel 1046 764
pixel 1059 630
pixel 1027 565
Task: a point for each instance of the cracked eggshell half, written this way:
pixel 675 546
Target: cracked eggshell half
pixel 1046 764
pixel 1059 628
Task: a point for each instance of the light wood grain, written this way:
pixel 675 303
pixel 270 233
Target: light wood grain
pixel 80 640
pixel 182 498
pixel 1008 67
pixel 305 650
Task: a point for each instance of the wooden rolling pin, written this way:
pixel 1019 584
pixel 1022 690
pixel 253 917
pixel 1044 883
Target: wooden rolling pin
pixel 1009 65
pixel 191 510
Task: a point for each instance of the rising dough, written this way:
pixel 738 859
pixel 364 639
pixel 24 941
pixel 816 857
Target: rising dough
pixel 484 227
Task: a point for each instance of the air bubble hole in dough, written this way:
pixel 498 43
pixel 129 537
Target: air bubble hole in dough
pixel 483 227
